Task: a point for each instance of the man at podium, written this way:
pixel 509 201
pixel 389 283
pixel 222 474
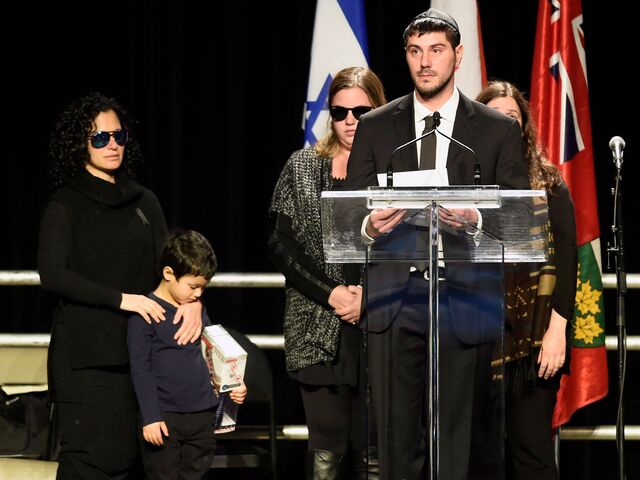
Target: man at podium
pixel 397 321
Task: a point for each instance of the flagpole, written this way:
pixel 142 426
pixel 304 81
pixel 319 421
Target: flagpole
pixel 621 276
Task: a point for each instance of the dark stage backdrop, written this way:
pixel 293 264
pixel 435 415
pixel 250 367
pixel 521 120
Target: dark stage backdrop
pixel 219 99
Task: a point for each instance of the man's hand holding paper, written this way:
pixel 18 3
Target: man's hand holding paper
pixel 383 220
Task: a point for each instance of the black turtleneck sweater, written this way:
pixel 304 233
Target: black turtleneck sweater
pixel 97 241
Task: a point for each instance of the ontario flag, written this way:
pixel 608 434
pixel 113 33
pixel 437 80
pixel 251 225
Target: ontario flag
pixel 339 41
pixel 560 104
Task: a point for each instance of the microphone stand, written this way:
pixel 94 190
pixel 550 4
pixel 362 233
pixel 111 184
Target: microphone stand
pixel 621 279
pixel 402 147
pixel 476 165
pixel 436 124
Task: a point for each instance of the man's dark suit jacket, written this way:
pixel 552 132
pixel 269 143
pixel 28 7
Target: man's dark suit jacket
pixel 496 140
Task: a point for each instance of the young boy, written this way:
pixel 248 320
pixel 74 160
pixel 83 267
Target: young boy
pixel 171 381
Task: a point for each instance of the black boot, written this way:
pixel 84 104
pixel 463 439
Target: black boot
pixel 323 465
pixel 365 464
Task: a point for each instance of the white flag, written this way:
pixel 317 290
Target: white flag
pixel 339 41
pixel 471 76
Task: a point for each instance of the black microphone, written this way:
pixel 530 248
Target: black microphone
pixel 436 122
pixel 616 144
pixel 436 119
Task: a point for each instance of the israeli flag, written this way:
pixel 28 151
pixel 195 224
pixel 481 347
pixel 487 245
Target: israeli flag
pixel 339 41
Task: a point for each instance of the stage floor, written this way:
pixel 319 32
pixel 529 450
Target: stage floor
pixel 27 469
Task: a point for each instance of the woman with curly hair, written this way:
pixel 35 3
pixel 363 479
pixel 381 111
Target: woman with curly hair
pixel 100 236
pixel 322 341
pixel 535 346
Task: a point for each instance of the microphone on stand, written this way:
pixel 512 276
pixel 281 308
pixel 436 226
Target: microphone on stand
pixel 616 144
pixel 405 145
pixel 436 124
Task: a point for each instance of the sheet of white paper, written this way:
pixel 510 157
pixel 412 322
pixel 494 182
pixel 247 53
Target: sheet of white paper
pixel 423 178
pixel 416 178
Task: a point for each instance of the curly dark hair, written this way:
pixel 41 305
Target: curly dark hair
pixel 68 147
pixel 543 174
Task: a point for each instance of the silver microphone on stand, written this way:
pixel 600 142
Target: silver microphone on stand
pixel 616 144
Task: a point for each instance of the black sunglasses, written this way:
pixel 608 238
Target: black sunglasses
pixel 101 139
pixel 340 113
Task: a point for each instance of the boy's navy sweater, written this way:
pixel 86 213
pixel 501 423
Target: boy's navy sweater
pixel 167 376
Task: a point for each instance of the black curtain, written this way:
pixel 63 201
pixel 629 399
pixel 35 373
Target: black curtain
pixel 219 98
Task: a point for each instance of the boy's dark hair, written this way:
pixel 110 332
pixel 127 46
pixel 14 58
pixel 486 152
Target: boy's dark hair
pixel 188 252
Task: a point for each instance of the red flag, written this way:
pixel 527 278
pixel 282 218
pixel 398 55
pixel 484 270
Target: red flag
pixel 560 104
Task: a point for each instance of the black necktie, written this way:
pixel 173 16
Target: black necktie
pixel 428 147
pixel 427 162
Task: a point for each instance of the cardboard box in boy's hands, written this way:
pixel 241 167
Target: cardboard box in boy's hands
pixel 226 359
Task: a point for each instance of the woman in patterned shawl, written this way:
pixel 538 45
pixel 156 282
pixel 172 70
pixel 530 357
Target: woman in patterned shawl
pixel 322 341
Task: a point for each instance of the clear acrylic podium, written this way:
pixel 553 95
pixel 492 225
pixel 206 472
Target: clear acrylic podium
pixel 463 267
